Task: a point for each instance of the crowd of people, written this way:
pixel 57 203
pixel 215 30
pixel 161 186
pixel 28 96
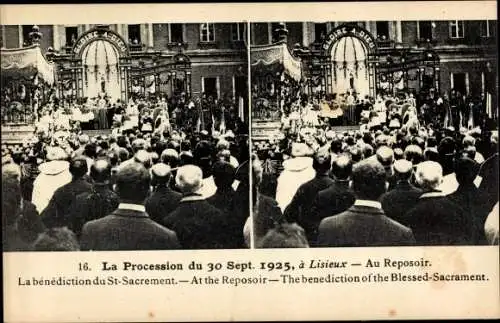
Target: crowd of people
pixel 145 113
pixel 176 175
pixel 414 173
pixel 162 186
pixel 350 108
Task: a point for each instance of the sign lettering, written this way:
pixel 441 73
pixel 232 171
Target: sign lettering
pixel 355 31
pixel 111 37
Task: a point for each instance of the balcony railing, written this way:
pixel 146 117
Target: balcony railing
pixel 385 43
pixel 16 114
pixel 425 41
pixel 177 45
pixel 135 47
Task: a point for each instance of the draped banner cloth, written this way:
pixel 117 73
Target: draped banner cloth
pixel 26 62
pixel 263 57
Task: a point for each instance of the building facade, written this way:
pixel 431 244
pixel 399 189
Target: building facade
pixel 148 59
pixel 372 56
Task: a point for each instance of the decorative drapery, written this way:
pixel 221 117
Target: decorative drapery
pixel 262 57
pixel 26 62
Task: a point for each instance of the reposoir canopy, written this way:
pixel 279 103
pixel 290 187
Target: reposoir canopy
pixel 26 62
pixel 262 57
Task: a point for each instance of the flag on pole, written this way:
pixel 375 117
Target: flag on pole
pixel 222 127
pixel 198 124
pixel 489 111
pixel 241 108
pixel 470 123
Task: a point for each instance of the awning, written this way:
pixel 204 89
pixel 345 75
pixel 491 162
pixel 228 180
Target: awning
pixel 267 56
pixel 26 62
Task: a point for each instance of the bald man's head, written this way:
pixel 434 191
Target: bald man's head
pixel 385 156
pixel 189 179
pixel 161 173
pixel 429 175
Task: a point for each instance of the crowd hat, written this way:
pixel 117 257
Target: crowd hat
pixel 161 170
pixel 56 153
pixel 403 166
pixel 300 150
pixel 229 134
pixel 394 124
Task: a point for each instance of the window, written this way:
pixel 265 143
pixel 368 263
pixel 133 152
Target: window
pixel 240 86
pixel 425 30
pixel 275 26
pixel 456 29
pixel 176 33
pixel 487 28
pixel 207 32
pixel 210 87
pixel 458 82
pixel 26 30
pixel 382 29
pixel 319 32
pixel 238 31
pixel 134 34
pixel 71 35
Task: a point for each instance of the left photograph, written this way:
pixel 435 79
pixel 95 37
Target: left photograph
pixel 125 136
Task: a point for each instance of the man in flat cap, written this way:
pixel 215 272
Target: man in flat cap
pixel 198 224
pixel 404 196
pixel 435 219
pixel 129 226
pixel 98 202
pixel 163 200
pixel 364 224
pixel 57 212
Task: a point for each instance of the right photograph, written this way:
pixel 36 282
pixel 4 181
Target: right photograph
pixel 374 133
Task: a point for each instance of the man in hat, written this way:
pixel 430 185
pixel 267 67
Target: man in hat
pixel 468 197
pixel 129 226
pixel 57 212
pixel 226 201
pixel 364 224
pixel 163 200
pixel 297 171
pixel 98 202
pixel 198 224
pixel 404 196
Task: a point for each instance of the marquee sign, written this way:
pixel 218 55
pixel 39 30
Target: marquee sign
pixel 354 31
pixel 89 37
